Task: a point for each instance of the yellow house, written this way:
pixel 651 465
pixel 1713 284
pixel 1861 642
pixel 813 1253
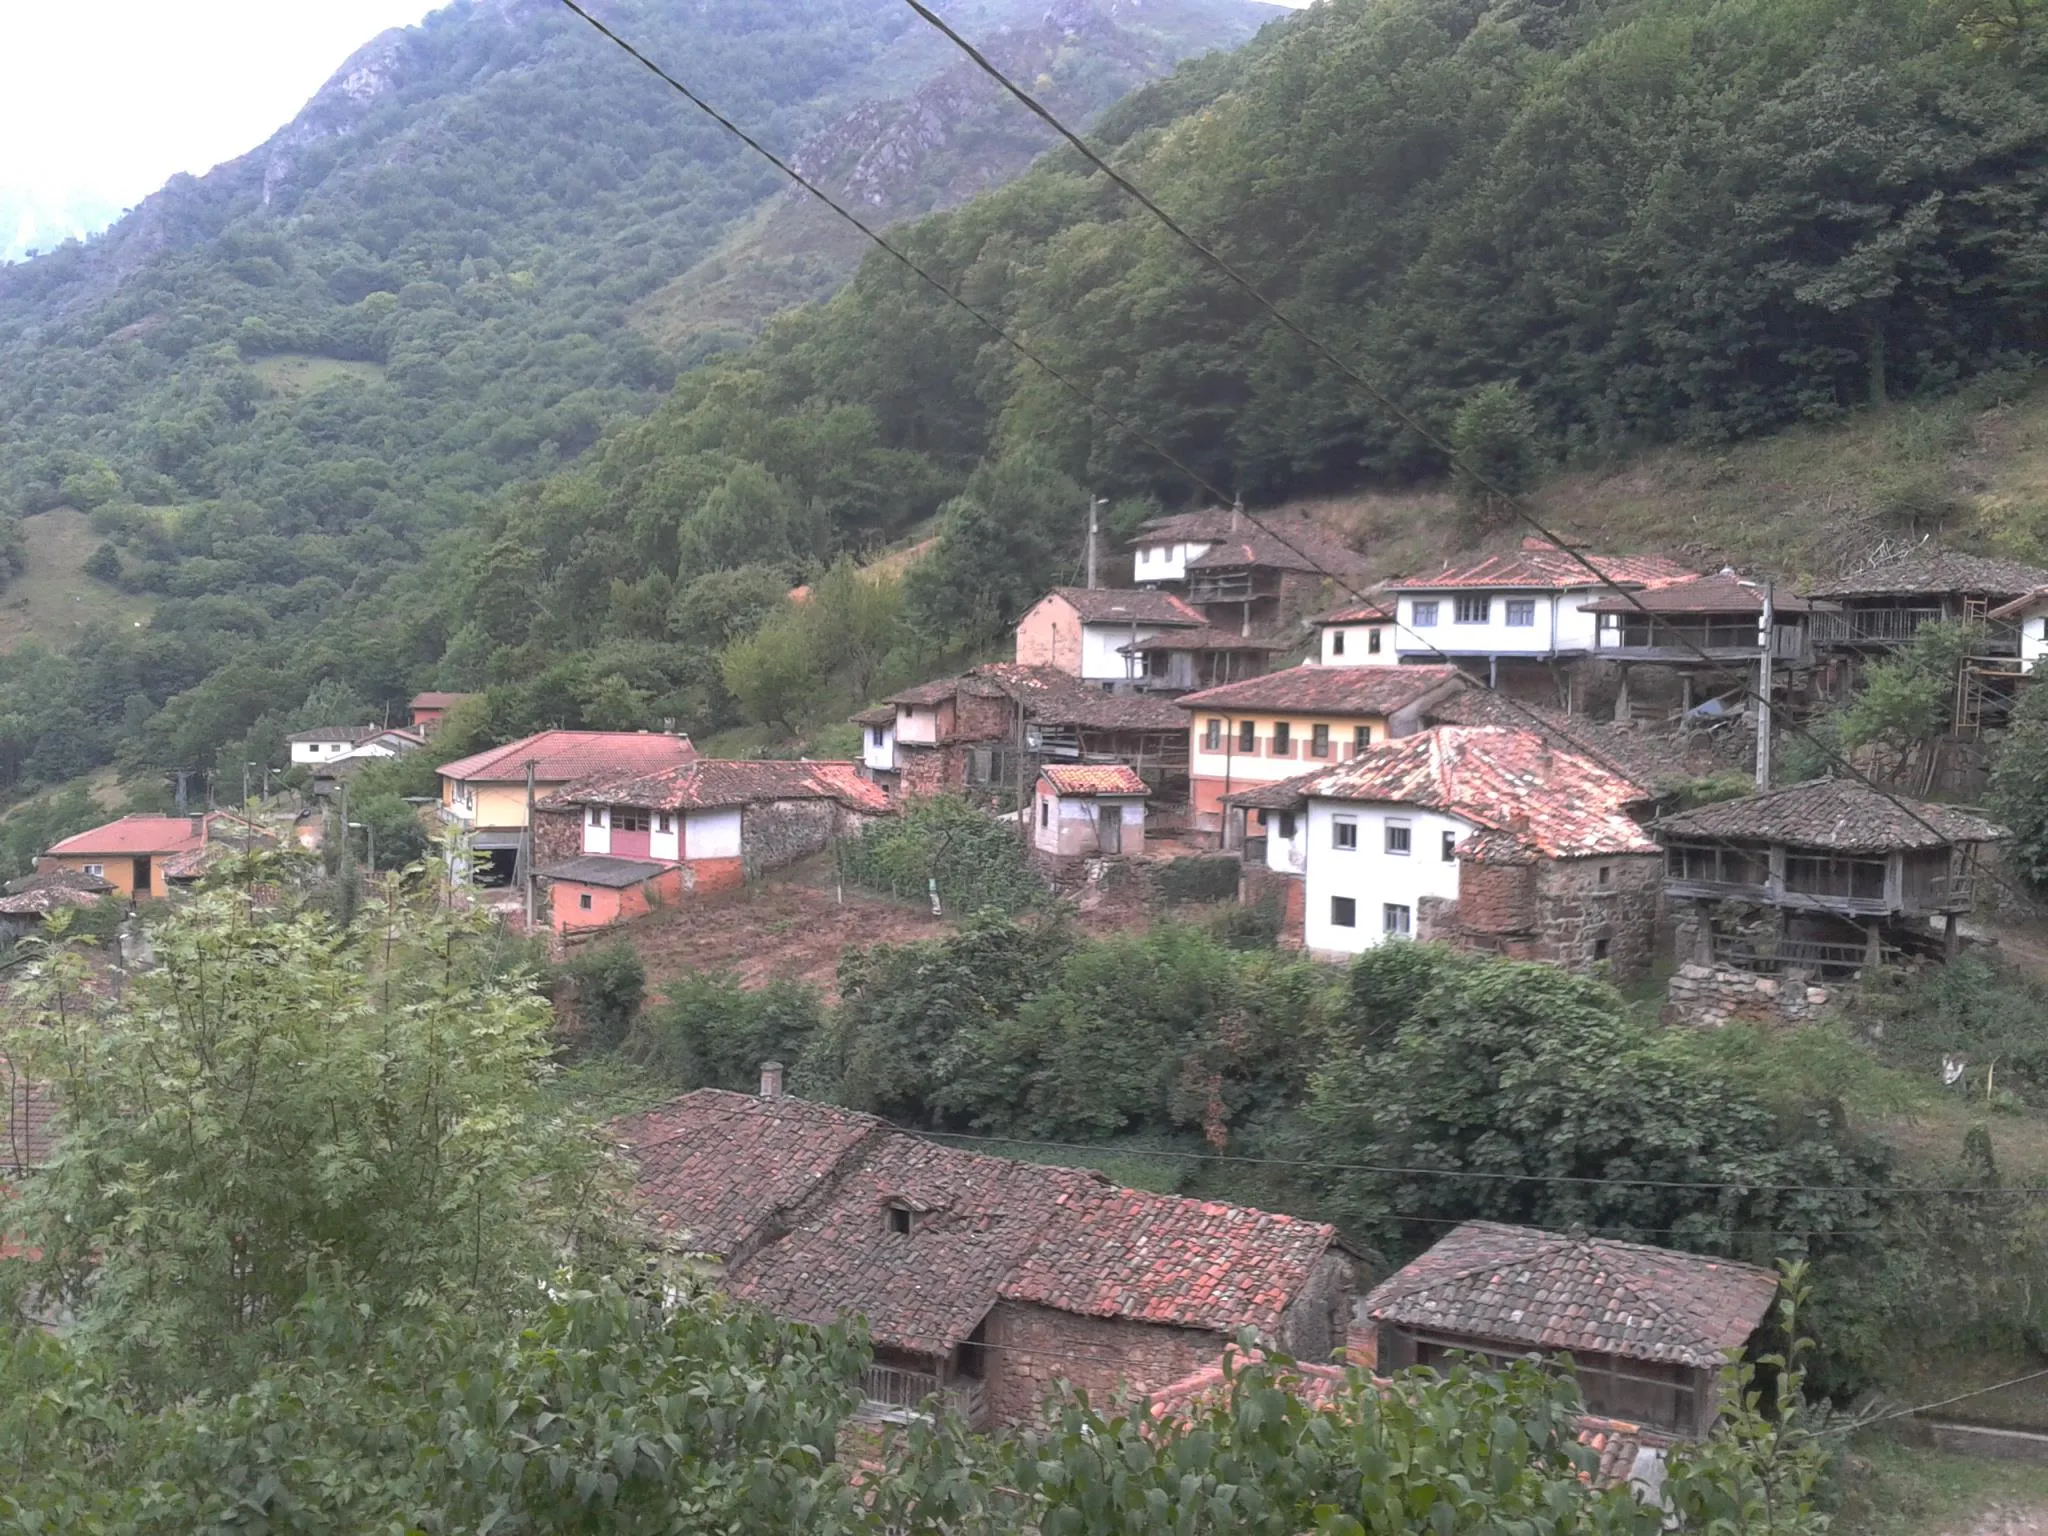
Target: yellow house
pixel 1265 729
pixel 142 856
pixel 485 793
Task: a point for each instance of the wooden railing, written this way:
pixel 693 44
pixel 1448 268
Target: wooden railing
pixel 1773 957
pixel 894 1392
pixel 1872 626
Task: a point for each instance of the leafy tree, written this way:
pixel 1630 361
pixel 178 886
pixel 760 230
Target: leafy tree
pixel 605 985
pixel 2019 788
pixel 712 1032
pixel 1495 438
pixel 777 673
pixel 857 619
pixel 719 607
pixel 394 826
pixel 976 863
pixel 104 563
pixel 1907 700
pixel 1011 533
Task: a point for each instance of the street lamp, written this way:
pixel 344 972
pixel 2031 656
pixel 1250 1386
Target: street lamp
pixel 370 839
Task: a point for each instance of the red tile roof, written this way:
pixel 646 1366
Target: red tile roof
pixel 1308 689
pixel 433 700
pixel 1093 779
pixel 1543 566
pixel 711 783
pixel 1562 804
pixel 1705 594
pixel 1359 613
pixel 560 756
pixel 143 834
pixel 28 1121
pixel 1532 1289
pixel 718 1170
pixel 1135 605
pixel 1111 1252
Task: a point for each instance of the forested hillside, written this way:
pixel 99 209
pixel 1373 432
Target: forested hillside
pixel 1692 220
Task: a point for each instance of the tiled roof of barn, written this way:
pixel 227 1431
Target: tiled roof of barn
pixel 338 733
pixel 1542 566
pixel 1310 689
pixel 1705 594
pixel 881 714
pixel 1290 545
pixel 1656 761
pixel 1532 1289
pixel 59 880
pixel 1925 574
pixel 973 1219
pixel 1212 638
pixel 1189 527
pixel 713 783
pixel 1561 803
pixel 688 1151
pixel 560 756
pixel 1113 1252
pixel 1839 815
pixel 1134 605
pixel 1094 779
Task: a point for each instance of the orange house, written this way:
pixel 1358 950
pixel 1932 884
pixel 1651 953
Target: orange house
pixel 143 856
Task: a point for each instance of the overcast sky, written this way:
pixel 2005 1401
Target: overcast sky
pixel 102 101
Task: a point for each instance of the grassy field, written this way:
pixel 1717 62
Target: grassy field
pixel 1894 1489
pixel 54 600
pixel 301 373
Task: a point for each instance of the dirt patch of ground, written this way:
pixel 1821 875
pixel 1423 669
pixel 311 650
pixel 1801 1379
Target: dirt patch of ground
pixel 2006 1520
pixel 776 929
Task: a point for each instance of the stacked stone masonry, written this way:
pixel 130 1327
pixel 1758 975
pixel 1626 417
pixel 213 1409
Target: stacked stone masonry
pixel 1710 996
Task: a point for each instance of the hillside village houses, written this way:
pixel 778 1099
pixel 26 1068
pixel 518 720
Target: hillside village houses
pixel 1677 646
pixel 486 795
pixel 1358 636
pixel 1088 632
pixel 1485 837
pixel 1082 810
pixel 612 845
pixel 144 856
pixel 1249 577
pixel 428 710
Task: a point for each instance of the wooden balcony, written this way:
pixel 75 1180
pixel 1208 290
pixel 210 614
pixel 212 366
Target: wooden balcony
pixel 895 1395
pixel 1874 627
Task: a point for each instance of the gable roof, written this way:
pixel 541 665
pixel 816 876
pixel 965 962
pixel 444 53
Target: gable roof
pixel 688 1151
pixel 1205 526
pixel 716 783
pixel 1720 593
pixel 1839 815
pixel 1654 761
pixel 436 700
pixel 59 880
pixel 1134 605
pixel 1549 1291
pixel 1922 573
pixel 1540 565
pixel 151 835
pixel 338 733
pixel 561 756
pixel 1093 779
pixel 1050 697
pixel 1211 638
pixel 1366 612
pixel 795 1195
pixel 1285 545
pixel 1560 804
pixel 604 870
pixel 1310 689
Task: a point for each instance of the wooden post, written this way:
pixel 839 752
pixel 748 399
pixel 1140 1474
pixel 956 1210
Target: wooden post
pixel 1763 695
pixel 525 855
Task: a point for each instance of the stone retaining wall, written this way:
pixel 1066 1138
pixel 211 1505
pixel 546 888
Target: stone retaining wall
pixel 1709 996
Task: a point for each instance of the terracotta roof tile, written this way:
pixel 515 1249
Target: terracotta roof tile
pixel 1291 545
pixel 1190 527
pixel 1052 697
pixel 59 880
pixel 713 783
pixel 1365 691
pixel 1368 612
pixel 436 700
pixel 1839 815
pixel 1543 566
pixel 1093 779
pixel 1135 605
pixel 1705 594
pixel 1930 574
pixel 142 834
pixel 560 756
pixel 1532 1289
pixel 1657 761
pixel 1563 804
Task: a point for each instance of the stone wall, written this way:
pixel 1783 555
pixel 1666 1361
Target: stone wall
pixel 1031 1348
pixel 1497 899
pixel 1289 893
pixel 781 832
pixel 557 836
pixel 928 771
pixel 1319 1319
pixel 1597 909
pixel 1709 996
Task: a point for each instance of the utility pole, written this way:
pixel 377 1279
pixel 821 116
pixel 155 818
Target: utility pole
pixel 1763 692
pixel 526 848
pixel 1094 508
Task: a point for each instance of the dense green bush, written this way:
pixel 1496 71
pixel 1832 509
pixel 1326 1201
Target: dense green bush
pixel 978 863
pixel 603 987
pixel 1198 878
pixel 709 1031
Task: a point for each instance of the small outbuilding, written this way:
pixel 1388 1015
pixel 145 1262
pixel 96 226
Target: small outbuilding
pixel 1089 810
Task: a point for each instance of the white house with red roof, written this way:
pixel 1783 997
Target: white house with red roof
pixel 1095 633
pixel 1361 635
pixel 1519 608
pixel 1481 835
pixel 1088 810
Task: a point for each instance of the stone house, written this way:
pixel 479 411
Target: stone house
pixel 1488 838
pixel 1520 620
pixel 30 901
pixel 1092 632
pixel 1647 1330
pixel 988 730
pixel 1269 728
pixel 610 846
pixel 1819 880
pixel 1089 810
pixel 981 1278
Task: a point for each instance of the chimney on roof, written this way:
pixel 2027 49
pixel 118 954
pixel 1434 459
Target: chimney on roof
pixel 771 1079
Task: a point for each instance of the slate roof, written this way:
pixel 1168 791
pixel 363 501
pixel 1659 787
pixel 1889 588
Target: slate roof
pixel 1213 638
pixel 974 1219
pixel 1189 527
pixel 881 714
pixel 1706 594
pixel 1309 689
pixel 1093 779
pixel 1136 605
pixel 1113 1252
pixel 601 869
pixel 1924 574
pixel 1838 815
pixel 1053 697
pixel 1559 803
pixel 718 1171
pixel 1538 1290
pixel 338 733
pixel 436 700
pixel 46 899
pixel 796 1196
pixel 714 783
pixel 561 756
pixel 1540 565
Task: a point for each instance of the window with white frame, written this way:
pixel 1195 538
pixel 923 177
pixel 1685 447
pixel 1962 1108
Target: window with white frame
pixel 1396 920
pixel 626 819
pixel 1521 613
pixel 1400 837
pixel 1344 832
pixel 97 870
pixel 665 821
pixel 1474 610
pixel 1423 615
pixel 875 735
pixel 597 815
pixel 1343 912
